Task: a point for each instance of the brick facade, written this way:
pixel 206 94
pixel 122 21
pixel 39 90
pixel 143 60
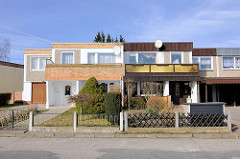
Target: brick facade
pixel 84 72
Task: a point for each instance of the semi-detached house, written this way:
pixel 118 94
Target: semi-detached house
pixel 204 74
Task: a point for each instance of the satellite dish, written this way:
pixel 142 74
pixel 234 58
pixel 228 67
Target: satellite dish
pixel 116 50
pixel 158 44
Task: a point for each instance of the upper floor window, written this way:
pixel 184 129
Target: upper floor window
pixel 38 63
pixel 205 63
pixel 106 58
pixel 147 58
pixel 67 58
pixel 132 59
pixel 176 58
pixel 231 62
pixel 91 58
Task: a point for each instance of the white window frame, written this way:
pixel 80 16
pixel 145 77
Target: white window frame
pixel 176 52
pixel 96 56
pixel 67 52
pixel 234 63
pixel 199 60
pixel 38 63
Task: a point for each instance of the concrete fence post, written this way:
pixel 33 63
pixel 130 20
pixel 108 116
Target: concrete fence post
pixel 229 121
pixel 125 121
pixel 176 119
pixel 31 122
pixel 121 121
pixel 75 121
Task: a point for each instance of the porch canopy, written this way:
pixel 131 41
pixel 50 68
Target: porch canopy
pixel 222 80
pixel 152 77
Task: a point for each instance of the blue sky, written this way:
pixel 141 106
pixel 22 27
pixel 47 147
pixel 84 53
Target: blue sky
pixel 37 23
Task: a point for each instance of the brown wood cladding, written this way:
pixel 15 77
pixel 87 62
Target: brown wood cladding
pixel 39 93
pixel 233 80
pixel 167 46
pixel 204 52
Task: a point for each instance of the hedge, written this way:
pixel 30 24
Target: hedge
pixel 112 102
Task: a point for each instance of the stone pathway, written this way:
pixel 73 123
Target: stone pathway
pixel 43 117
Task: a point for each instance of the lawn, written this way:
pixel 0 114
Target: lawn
pixel 66 119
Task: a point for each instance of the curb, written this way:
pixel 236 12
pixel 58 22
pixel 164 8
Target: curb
pixel 112 135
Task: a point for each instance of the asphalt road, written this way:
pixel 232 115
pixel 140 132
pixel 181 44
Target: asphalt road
pixel 109 148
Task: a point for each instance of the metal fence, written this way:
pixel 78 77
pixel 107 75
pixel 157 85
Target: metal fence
pixel 150 120
pixel 14 119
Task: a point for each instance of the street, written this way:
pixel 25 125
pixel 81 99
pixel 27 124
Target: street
pixel 108 148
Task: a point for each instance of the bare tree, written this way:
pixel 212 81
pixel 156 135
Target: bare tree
pixel 150 88
pixel 130 87
pixel 5 48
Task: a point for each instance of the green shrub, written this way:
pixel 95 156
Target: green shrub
pixel 112 102
pixel 4 98
pixel 96 106
pixel 138 102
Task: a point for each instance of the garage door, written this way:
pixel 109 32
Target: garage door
pixel 39 93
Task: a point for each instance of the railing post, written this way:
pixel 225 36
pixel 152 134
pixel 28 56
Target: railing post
pixel 75 121
pixel 12 120
pixel 176 119
pixel 125 121
pixel 121 121
pixel 31 122
pixel 229 121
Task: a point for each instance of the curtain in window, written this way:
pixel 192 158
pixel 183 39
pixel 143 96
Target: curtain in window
pixel 146 58
pixel 91 58
pixel 237 62
pixel 106 58
pixel 176 58
pixel 228 62
pixel 205 63
pixel 42 63
pixel 67 58
pixel 34 63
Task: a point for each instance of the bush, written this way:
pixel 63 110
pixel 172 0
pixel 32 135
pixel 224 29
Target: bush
pixel 93 88
pixel 4 98
pixel 138 102
pixel 157 103
pixel 112 102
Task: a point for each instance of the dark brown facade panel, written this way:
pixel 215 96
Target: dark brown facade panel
pixel 223 81
pixel 167 46
pixel 204 52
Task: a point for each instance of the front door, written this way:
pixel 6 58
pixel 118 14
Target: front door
pixel 179 92
pixel 39 93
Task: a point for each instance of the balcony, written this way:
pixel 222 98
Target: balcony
pixel 158 72
pixel 83 71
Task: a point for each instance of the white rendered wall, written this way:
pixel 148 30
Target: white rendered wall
pixel 160 57
pixel 194 92
pixel 84 54
pixel 27 91
pixel 165 88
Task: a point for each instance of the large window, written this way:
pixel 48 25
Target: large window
pixel 231 62
pixel 132 59
pixel 146 58
pixel 67 58
pixel 91 58
pixel 106 58
pixel 176 58
pixel 38 63
pixel 205 63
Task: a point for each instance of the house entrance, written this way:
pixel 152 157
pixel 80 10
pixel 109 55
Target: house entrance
pixel 179 91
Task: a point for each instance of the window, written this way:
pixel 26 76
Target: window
pixel 38 63
pixel 176 58
pixel 132 59
pixel 67 58
pixel 205 63
pixel 147 58
pixel 231 62
pixel 67 90
pixel 91 58
pixel 106 58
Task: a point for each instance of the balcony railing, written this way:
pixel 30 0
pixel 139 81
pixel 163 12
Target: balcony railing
pixel 160 68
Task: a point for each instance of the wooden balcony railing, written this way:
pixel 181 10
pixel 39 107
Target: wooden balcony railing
pixel 160 68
